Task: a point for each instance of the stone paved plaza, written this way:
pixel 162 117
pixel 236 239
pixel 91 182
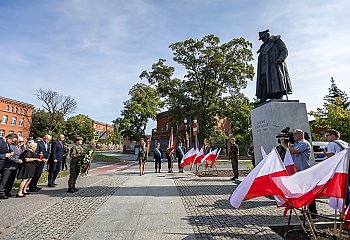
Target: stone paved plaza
pixel 124 205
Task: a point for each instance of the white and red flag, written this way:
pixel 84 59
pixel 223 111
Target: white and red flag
pixel 328 178
pixel 199 157
pixel 289 163
pixel 259 180
pixel 171 141
pixel 188 158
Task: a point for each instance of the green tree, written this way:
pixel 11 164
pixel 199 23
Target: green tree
pixel 332 115
pixel 335 92
pixel 41 124
pixel 141 107
pixel 79 125
pixel 213 70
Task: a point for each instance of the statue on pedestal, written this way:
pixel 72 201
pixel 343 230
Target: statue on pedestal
pixel 273 79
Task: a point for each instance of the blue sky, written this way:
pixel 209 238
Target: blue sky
pixel 95 51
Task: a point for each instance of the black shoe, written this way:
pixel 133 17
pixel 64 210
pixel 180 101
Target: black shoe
pixel 38 188
pixel 55 184
pixel 50 185
pixel 155 171
pixel 71 190
pixel 75 189
pixel 4 197
pixel 233 179
pixel 159 171
pixel 33 190
pixel 10 195
pixel 20 195
pixel 26 193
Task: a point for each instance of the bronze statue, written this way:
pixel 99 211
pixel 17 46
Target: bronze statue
pixel 273 79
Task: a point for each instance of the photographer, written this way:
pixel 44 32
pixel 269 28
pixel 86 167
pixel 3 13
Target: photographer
pixel 300 151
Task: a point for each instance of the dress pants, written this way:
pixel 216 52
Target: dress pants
pixel 10 181
pixel 37 174
pixel 5 175
pixel 73 172
pixel 234 163
pixel 54 169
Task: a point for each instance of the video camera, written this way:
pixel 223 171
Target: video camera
pixel 287 135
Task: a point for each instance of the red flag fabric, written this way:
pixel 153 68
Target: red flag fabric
pixel 259 180
pixel 328 178
pixel 188 158
pixel 171 140
pixel 289 163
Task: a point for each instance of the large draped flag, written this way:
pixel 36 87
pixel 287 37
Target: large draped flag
pixel 171 141
pixel 289 163
pixel 328 178
pixel 188 158
pixel 259 180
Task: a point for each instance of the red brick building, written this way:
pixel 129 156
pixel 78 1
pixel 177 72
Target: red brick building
pixel 161 133
pixel 101 130
pixel 16 117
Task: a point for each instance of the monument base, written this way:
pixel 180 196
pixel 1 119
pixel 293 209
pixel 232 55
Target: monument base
pixel 269 118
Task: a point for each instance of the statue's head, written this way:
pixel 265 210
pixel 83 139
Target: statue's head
pixel 264 35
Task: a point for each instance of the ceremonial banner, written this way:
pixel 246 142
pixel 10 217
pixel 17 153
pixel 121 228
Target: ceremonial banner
pixel 289 163
pixel 188 158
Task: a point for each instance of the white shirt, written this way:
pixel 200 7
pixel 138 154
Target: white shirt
pixel 334 147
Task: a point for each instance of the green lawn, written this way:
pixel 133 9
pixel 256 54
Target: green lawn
pixel 101 157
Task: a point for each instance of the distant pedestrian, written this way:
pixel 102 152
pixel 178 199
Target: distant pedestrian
pixel 169 156
pixel 233 157
pixel 251 153
pixel 180 152
pixel 142 156
pixel 158 154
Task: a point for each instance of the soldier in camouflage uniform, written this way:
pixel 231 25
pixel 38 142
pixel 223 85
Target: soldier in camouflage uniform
pixel 75 154
pixel 233 156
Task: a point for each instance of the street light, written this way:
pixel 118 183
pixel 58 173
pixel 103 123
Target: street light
pixel 187 143
pixel 195 131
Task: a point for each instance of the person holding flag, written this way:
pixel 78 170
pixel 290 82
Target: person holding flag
pixel 158 154
pixel 180 153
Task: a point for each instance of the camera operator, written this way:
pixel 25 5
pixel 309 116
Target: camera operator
pixel 300 151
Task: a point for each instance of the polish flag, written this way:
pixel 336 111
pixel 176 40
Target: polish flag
pixel 328 178
pixel 188 158
pixel 199 157
pixel 210 158
pixel 193 162
pixel 259 180
pixel 171 141
pixel 289 163
pixel 263 153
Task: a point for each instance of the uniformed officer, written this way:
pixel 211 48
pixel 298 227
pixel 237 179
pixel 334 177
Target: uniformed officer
pixel 76 155
pixel 233 156
pixel 158 154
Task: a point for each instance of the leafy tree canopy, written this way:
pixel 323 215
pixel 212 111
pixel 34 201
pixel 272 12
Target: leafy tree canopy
pixel 141 107
pixel 335 92
pixel 79 125
pixel 213 71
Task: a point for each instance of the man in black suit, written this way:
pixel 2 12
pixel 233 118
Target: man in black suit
pixel 43 150
pixel 5 153
pixel 55 160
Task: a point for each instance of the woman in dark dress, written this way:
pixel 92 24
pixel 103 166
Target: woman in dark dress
pixel 27 169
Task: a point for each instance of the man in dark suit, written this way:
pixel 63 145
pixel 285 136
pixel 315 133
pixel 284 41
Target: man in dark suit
pixel 43 150
pixel 55 160
pixel 5 147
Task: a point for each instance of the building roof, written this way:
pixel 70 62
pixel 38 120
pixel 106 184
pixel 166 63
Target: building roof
pixel 109 125
pixel 15 101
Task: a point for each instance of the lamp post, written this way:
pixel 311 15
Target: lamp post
pixel 195 131
pixel 187 143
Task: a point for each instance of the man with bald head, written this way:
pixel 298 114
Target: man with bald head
pixel 55 160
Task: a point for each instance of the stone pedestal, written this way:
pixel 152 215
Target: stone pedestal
pixel 269 118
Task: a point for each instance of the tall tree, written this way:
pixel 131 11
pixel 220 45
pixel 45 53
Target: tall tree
pixel 57 106
pixel 41 123
pixel 141 107
pixel 213 70
pixel 335 92
pixel 79 125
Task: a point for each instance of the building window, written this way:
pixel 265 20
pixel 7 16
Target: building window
pixel 4 119
pixel 15 110
pixel 23 111
pixel 2 133
pixel 19 134
pixel 21 122
pixel 13 121
pixel 11 108
pixel 11 132
pixel 7 107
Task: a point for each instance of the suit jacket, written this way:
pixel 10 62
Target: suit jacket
pixel 56 151
pixel 3 148
pixel 12 162
pixel 41 148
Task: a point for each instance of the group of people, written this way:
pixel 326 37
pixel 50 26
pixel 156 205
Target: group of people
pixel 170 155
pixel 26 161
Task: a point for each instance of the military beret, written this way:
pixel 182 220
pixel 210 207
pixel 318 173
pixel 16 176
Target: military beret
pixel 78 139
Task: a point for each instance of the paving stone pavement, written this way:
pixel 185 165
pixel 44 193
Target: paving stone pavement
pixel 62 219
pixel 212 217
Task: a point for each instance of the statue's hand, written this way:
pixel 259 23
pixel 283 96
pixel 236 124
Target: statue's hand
pixel 279 61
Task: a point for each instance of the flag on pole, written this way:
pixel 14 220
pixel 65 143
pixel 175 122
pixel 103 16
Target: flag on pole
pixel 199 157
pixel 328 178
pixel 259 180
pixel 188 158
pixel 289 163
pixel 263 153
pixel 192 163
pixel 171 141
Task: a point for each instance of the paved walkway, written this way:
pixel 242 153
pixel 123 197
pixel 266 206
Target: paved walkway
pixel 123 205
